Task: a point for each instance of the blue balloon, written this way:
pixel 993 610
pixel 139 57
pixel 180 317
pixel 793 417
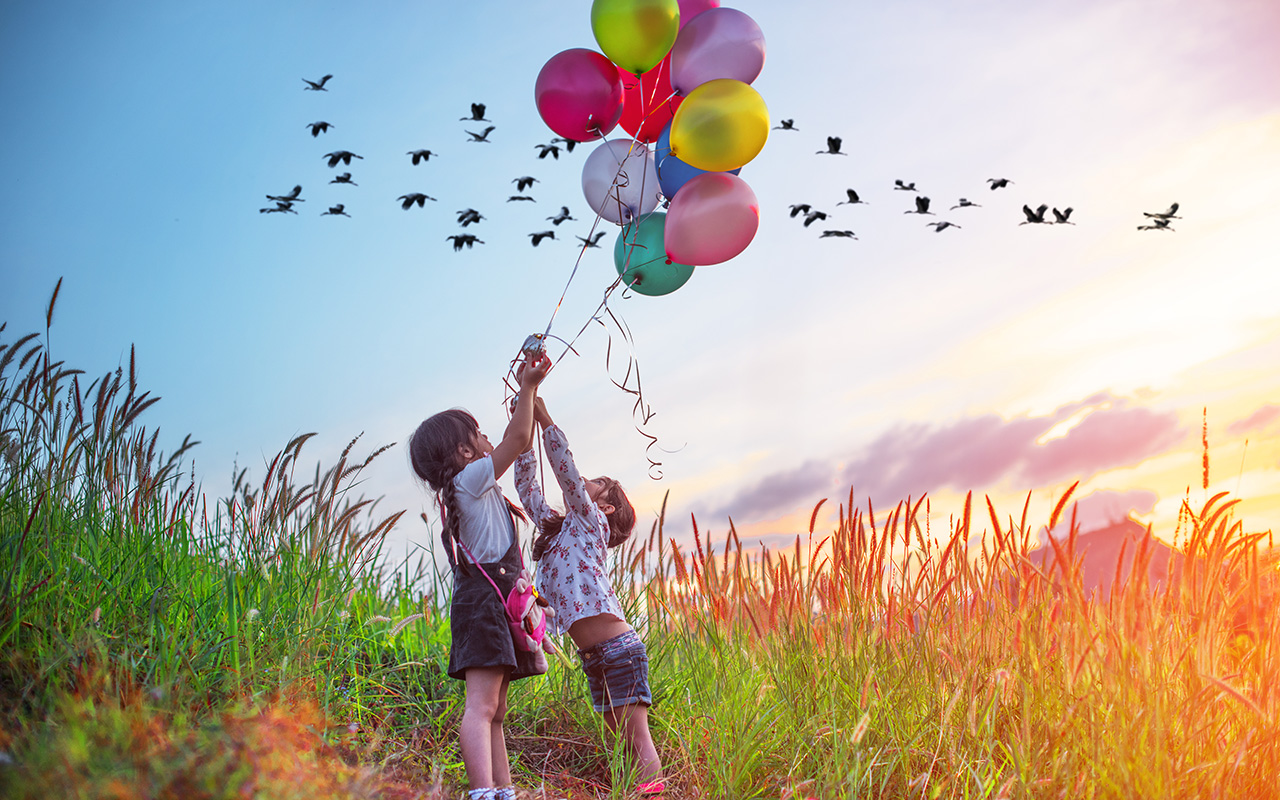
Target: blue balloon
pixel 672 172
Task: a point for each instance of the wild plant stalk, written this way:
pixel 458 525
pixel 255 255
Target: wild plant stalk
pixel 878 662
pixel 117 573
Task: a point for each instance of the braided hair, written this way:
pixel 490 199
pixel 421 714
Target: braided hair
pixel 622 520
pixel 434 452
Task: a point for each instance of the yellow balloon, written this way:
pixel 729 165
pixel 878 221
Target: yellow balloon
pixel 635 34
pixel 721 125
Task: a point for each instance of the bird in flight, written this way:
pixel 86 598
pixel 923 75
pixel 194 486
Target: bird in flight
pixel 939 227
pixel 281 206
pixel 407 200
pixel 548 149
pixel 800 208
pixel 524 183
pixel 521 197
pixel 998 183
pixel 833 147
pixel 291 197
pixel 838 234
pixel 814 216
pixel 906 187
pixel 1036 216
pixel 483 136
pixel 1157 224
pixel 459 239
pixel 344 178
pixel 538 237
pixel 1061 217
pixel 316 86
pixel 569 144
pixel 562 216
pixel 318 128
pixel 344 156
pixel 477 114
pixel 853 198
pixel 786 125
pixel 336 211
pixel 922 206
pixel 420 155
pixel 1173 209
pixel 594 241
pixel 468 216
pixel 965 204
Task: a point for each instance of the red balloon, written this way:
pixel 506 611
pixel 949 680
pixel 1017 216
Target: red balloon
pixel 648 102
pixel 579 94
pixel 692 8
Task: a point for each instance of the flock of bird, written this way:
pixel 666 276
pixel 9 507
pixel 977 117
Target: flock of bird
pixel 285 203
pixel 921 203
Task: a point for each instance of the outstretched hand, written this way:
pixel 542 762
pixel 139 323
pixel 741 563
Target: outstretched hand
pixel 533 369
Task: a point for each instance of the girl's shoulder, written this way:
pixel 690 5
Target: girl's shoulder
pixel 477 477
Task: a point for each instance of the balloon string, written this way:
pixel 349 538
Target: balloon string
pixel 641 408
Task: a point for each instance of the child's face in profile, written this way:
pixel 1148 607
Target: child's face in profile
pixel 479 447
pixel 596 489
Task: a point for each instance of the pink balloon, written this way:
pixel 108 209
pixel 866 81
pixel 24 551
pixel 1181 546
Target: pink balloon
pixel 579 94
pixel 718 43
pixel 692 8
pixel 712 219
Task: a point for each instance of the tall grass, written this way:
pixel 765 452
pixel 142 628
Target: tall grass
pixel 155 643
pixel 878 661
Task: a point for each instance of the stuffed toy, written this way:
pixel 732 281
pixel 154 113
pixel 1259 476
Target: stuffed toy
pixel 529 611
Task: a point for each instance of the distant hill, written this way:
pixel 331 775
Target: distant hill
pixel 1099 552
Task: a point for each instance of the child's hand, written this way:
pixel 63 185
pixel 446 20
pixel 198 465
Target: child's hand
pixel 533 370
pixel 540 414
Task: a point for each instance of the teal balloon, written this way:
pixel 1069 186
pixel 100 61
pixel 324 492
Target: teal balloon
pixel 640 256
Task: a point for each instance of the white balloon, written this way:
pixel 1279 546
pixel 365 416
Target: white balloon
pixel 620 181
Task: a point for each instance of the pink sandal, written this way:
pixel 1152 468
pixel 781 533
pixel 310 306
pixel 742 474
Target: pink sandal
pixel 650 789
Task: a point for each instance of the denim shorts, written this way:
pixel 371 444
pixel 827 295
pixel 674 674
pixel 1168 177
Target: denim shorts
pixel 618 672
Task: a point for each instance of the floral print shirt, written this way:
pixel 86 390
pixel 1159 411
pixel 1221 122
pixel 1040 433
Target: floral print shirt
pixel 572 573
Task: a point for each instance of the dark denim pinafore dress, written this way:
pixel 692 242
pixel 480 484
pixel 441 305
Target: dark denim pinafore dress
pixel 481 635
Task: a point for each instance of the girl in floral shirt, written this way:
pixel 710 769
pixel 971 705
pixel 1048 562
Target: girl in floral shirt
pixel 572 548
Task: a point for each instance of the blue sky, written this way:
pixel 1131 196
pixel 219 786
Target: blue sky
pixel 142 138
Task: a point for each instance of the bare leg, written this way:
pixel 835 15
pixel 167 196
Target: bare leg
pixel 633 721
pixel 498 742
pixel 481 716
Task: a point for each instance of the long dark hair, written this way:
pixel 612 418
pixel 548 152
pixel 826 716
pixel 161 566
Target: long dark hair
pixel 622 520
pixel 434 453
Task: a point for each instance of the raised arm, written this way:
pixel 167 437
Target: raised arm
pixel 519 433
pixel 527 487
pixel 566 472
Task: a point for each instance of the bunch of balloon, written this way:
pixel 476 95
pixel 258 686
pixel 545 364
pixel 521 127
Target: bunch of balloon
pixel 676 75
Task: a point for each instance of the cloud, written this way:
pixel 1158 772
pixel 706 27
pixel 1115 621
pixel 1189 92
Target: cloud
pixel 781 492
pixel 978 452
pixel 1255 421
pixel 971 453
pixel 1105 439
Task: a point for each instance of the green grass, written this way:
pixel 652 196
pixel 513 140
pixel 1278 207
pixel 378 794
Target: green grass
pixel 157 643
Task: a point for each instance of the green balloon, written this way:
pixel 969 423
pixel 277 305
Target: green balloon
pixel 635 34
pixel 640 257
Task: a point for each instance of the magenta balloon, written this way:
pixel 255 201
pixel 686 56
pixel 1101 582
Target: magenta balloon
pixel 692 8
pixel 718 43
pixel 579 94
pixel 712 219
